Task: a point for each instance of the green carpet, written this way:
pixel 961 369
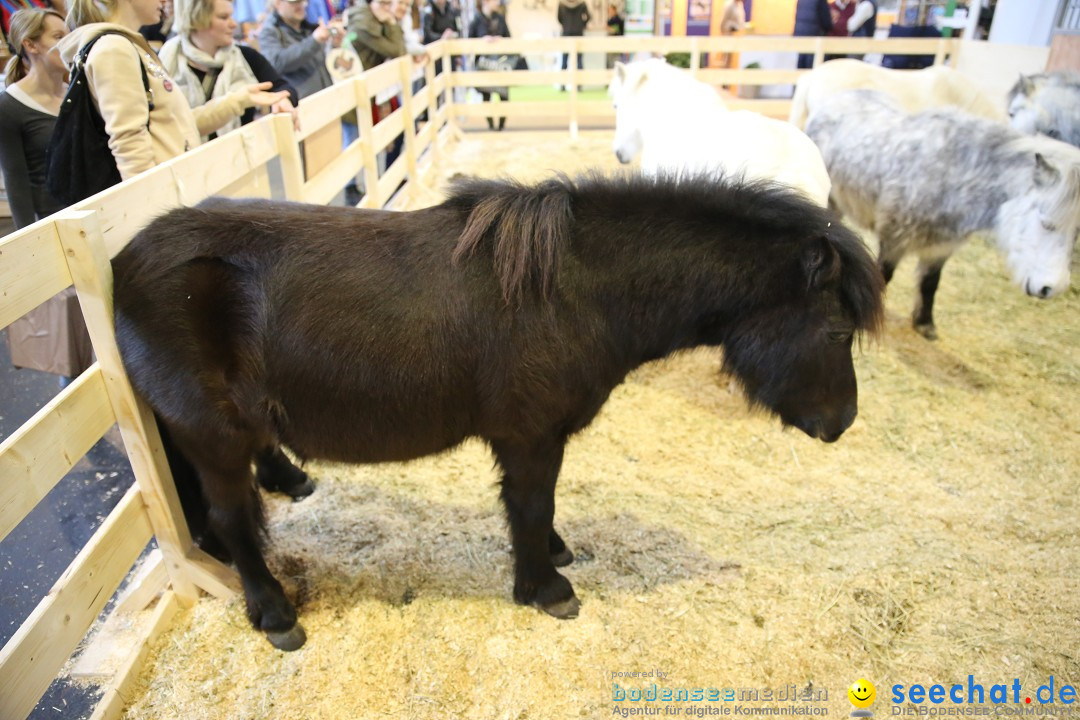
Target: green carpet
pixel 549 93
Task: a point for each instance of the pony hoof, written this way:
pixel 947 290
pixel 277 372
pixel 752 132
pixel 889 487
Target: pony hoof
pixel 301 491
pixel 292 639
pixel 927 331
pixel 565 610
pixel 563 558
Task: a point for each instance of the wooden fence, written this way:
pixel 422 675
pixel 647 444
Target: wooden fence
pixel 76 245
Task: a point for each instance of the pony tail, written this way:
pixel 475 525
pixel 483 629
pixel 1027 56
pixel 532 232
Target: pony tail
pixel 16 70
pixel 84 12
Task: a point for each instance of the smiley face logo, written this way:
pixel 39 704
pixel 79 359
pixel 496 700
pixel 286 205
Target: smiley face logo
pixel 862 693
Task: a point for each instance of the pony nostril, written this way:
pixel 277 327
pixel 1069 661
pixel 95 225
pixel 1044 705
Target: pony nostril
pixel 1045 292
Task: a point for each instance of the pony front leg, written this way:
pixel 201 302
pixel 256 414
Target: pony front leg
pixel 530 472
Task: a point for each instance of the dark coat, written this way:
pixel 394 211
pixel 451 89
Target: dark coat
pixel 573 18
pixel 437 21
pixel 812 18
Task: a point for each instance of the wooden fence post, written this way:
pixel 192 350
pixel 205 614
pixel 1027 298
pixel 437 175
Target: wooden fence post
pixel 405 64
pixel 83 243
pixel 366 125
pixel 292 168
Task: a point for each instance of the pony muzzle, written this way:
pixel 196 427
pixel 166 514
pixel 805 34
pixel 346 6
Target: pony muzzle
pixel 827 429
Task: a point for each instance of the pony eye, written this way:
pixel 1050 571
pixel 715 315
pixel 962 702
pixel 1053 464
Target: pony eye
pixel 840 336
pixel 1051 133
pixel 1049 226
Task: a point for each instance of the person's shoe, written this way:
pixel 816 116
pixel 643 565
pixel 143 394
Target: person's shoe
pixel 502 124
pixel 491 124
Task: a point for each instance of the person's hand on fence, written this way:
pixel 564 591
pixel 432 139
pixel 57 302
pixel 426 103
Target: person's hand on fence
pixel 258 95
pixel 449 34
pixel 285 106
pixel 421 59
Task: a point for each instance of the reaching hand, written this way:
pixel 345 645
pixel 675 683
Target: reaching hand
pixel 258 95
pixel 285 106
pixel 322 32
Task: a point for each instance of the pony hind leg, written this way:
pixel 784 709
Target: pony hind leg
pixel 528 494
pixel 223 462
pixel 561 556
pixel 928 276
pixel 276 473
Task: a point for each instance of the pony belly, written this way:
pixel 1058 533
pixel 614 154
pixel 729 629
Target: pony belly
pixel 371 437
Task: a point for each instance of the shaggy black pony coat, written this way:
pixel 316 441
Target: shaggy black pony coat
pixel 508 313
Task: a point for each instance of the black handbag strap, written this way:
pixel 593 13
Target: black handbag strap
pixel 80 61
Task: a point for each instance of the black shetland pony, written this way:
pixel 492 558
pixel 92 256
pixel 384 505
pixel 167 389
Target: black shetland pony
pixel 507 313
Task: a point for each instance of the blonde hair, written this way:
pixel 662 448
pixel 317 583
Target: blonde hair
pixel 26 24
pixel 192 15
pixel 84 12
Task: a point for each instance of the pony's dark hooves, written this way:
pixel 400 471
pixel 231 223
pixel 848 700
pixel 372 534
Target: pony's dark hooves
pixel 562 559
pixel 301 491
pixel 564 610
pixel 292 639
pixel 927 331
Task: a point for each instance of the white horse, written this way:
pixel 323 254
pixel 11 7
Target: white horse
pixel 1048 104
pixel 679 124
pixel 926 182
pixel 912 90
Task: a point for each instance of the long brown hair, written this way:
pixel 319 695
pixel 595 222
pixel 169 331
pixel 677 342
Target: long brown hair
pixel 26 24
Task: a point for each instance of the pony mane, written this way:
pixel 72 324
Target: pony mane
pixel 528 227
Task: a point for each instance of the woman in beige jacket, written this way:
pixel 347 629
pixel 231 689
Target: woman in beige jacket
pixel 140 137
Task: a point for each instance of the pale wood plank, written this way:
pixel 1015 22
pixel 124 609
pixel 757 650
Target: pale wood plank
pixel 149 580
pixel 409 117
pixel 126 208
pixel 31 659
pixel 393 176
pixel 384 76
pixel 37 455
pixel 387 129
pixel 213 577
pixel 321 147
pixel 80 234
pixel 292 168
pixel 425 137
pixel 327 105
pixel 256 184
pixel 365 124
pixel 750 77
pixel 119 693
pixel 496 78
pixel 32 269
pixel 323 187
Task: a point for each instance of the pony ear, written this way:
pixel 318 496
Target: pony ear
pixel 1045 173
pixel 620 70
pixel 1026 85
pixel 821 263
pixel 642 78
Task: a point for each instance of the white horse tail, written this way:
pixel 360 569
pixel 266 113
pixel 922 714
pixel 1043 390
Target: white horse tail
pixel 800 109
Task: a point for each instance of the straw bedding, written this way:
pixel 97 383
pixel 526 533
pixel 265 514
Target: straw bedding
pixel 937 539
